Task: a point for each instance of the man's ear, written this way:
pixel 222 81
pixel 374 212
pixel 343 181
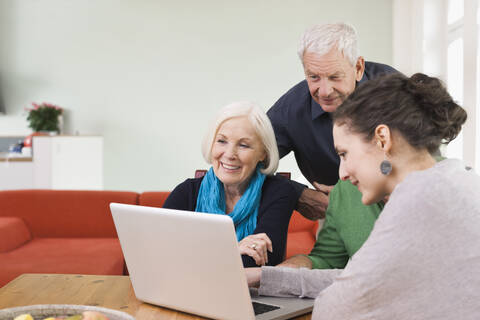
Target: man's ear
pixel 383 137
pixel 359 68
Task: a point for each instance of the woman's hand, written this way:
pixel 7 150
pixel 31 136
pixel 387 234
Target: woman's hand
pixel 257 247
pixel 253 276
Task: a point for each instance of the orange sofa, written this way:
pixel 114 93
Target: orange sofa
pixel 59 231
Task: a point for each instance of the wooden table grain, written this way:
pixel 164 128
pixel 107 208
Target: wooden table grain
pixel 114 292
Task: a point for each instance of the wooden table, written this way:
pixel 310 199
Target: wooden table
pixel 113 292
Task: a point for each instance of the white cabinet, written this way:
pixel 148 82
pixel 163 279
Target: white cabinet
pixel 68 162
pixel 58 162
pixel 15 174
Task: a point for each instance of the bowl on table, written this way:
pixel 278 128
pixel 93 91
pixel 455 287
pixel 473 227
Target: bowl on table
pixel 43 311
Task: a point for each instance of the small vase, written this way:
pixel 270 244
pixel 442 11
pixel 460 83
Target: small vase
pixel 48 133
pixel 27 142
pixel 60 124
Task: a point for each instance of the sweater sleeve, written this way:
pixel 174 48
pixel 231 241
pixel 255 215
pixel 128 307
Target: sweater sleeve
pixel 276 207
pixel 292 282
pixel 329 251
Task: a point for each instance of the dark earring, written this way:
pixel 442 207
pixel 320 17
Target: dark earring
pixel 385 167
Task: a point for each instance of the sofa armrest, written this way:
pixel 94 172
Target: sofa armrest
pixel 13 233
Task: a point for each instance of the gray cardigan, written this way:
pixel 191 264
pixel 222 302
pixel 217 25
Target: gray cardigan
pixel 421 261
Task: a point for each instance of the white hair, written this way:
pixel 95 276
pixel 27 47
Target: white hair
pixel 321 38
pixel 261 124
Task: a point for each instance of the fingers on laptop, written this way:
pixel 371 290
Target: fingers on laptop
pixel 253 248
pixel 259 257
pixel 257 247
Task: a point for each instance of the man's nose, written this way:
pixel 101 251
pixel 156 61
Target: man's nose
pixel 325 88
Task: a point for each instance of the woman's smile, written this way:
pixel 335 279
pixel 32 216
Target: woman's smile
pixel 229 166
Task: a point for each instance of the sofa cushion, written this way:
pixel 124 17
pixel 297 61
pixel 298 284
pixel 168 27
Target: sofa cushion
pixel 64 213
pixel 101 256
pixel 13 233
pixel 300 242
pixel 302 234
pixel 153 198
pixel 299 223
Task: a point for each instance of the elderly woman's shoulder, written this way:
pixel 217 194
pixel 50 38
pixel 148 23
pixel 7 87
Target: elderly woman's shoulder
pixel 189 184
pixel 278 177
pixel 184 195
pixel 278 183
pixel 279 192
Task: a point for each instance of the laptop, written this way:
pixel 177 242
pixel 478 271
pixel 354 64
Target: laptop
pixel 190 262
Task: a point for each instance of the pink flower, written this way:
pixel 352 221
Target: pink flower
pixel 36 106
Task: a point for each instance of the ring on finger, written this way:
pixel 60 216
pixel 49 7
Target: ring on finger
pixel 253 246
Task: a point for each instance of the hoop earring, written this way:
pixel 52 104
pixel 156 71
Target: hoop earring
pixel 385 167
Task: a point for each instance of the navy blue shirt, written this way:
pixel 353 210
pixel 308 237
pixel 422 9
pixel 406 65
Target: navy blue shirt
pixel 302 126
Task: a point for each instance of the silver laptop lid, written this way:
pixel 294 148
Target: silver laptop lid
pixel 184 260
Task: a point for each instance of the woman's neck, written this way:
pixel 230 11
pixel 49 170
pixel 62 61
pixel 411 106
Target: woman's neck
pixel 233 193
pixel 408 163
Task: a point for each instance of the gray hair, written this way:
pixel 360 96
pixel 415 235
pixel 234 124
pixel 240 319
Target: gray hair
pixel 261 124
pixel 321 38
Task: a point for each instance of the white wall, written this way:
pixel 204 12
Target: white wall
pixel 422 36
pixel 149 74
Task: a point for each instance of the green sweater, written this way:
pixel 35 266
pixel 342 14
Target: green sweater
pixel 348 224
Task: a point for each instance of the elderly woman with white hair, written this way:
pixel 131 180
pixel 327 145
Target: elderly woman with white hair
pixel 242 150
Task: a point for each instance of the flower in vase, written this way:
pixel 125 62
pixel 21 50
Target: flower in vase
pixel 44 117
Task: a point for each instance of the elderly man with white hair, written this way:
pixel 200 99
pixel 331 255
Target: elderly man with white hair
pixel 301 117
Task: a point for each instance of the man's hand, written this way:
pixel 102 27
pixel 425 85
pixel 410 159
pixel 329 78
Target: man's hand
pixel 323 188
pixel 312 204
pixel 298 261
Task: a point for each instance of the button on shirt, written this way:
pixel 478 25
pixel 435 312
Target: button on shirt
pixel 302 126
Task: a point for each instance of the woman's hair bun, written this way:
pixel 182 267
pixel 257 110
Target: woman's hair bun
pixel 436 103
pixel 418 107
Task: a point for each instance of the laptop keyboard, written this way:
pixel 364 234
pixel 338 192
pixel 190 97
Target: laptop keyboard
pixel 260 308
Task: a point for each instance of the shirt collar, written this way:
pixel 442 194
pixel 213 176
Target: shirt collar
pixel 364 78
pixel 317 110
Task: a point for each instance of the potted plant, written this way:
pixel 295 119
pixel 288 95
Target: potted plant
pixel 44 117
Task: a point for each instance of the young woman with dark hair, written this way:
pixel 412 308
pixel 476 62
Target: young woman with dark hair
pixel 422 258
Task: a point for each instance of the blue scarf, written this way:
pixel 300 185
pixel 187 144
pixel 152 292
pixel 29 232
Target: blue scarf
pixel 211 199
